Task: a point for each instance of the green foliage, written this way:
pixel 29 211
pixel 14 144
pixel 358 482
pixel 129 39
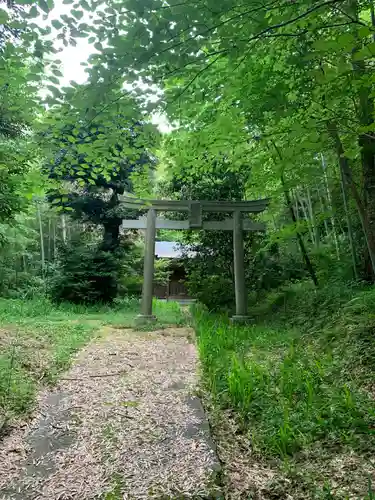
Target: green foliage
pixel 20 258
pixel 274 265
pixel 270 260
pixel 281 93
pixel 91 191
pixel 85 274
pixel 162 271
pixel 88 190
pixel 215 291
pixel 296 388
pixel 266 100
pixel 17 151
pixel 210 272
pixel 33 353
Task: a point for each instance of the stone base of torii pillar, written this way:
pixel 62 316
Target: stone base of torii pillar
pixel 143 319
pixel 241 320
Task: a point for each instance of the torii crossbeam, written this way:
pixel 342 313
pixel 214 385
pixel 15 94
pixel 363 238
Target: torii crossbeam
pixel 195 209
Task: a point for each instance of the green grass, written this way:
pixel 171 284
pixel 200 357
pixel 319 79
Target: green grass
pixel 298 378
pixel 122 313
pixel 38 339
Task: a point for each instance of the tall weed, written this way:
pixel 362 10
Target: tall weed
pixel 292 387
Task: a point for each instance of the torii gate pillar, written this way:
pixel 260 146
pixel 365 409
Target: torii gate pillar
pixel 148 272
pixel 239 270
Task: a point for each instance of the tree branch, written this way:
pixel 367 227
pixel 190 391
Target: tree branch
pixel 204 56
pixel 180 4
pixel 353 19
pixel 197 75
pixel 294 19
pixel 222 23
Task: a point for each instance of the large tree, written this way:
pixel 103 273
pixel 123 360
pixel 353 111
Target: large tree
pixel 91 186
pixel 93 163
pixel 297 75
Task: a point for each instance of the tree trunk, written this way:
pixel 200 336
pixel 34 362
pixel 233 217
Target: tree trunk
pixel 296 204
pixel 330 206
pixel 366 140
pixel 307 218
pixel 42 253
pixel 349 223
pixel 324 210
pixel 368 170
pixel 49 240
pixel 24 263
pixel 111 236
pixel 63 227
pixel 305 255
pixel 112 225
pixel 301 243
pixel 312 218
pixel 348 178
pixel 54 241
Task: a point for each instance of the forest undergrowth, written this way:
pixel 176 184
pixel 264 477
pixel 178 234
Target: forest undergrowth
pixel 296 389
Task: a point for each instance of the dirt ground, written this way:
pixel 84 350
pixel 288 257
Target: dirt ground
pixel 124 422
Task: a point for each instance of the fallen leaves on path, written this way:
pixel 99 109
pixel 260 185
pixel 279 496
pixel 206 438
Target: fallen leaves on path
pixel 123 420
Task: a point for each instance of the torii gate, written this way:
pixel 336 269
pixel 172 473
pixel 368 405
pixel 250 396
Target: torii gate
pixel 194 208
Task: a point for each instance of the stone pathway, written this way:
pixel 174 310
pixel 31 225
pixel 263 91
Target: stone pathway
pixel 123 423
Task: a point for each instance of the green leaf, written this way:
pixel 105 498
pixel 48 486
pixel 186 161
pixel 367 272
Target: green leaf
pixel 54 79
pixel 365 53
pixel 364 31
pixel 57 24
pixel 34 77
pixel 346 41
pixel 46 5
pixel 33 12
pixel 78 14
pixel 3 16
pixel 55 91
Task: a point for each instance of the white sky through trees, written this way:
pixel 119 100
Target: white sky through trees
pixel 72 57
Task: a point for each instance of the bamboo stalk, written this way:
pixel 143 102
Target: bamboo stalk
pixel 42 252
pixel 329 197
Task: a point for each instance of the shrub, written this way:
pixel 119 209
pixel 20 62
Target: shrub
pixel 20 284
pixel 85 274
pixel 214 291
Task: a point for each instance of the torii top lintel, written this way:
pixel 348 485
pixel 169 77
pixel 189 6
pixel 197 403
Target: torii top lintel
pixel 255 206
